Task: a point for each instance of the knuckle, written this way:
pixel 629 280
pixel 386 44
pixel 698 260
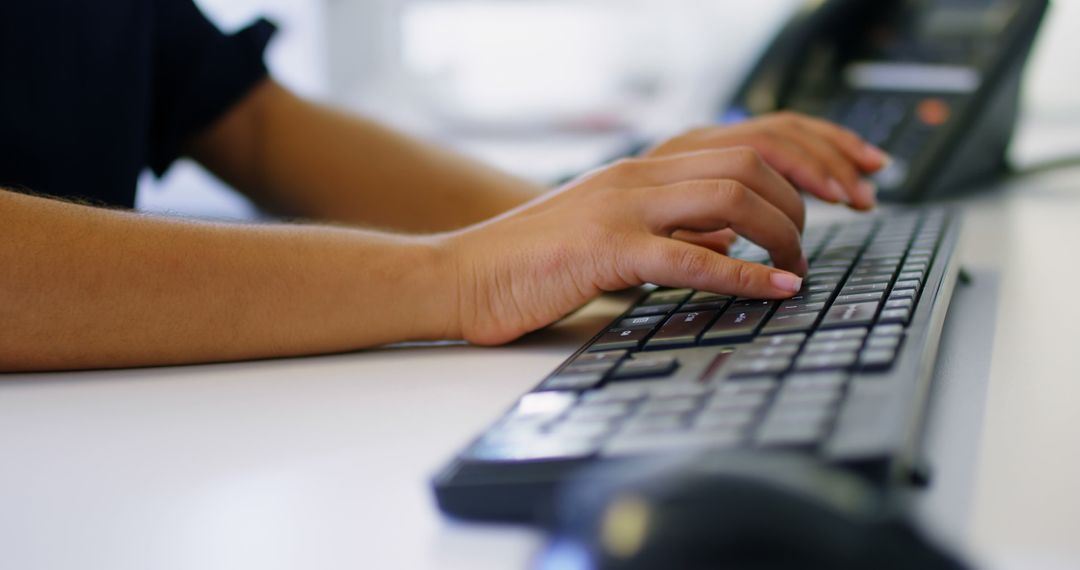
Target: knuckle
pixel 692 262
pixel 742 276
pixel 731 193
pixel 746 158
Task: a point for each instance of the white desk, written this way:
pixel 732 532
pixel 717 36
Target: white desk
pixel 323 462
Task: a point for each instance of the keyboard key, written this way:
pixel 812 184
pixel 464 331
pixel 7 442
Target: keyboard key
pixel 882 341
pixel 668 406
pixel 756 351
pixel 869 278
pixel 759 366
pixel 899 304
pixel 780 339
pixel 815 381
pixel 658 423
pixel 706 297
pixel 864 288
pixel 782 324
pixel 746 303
pixel 855 314
pixel 606 411
pixel 745 386
pixel 665 390
pixel 603 367
pixel 641 322
pixel 620 338
pixel 832 346
pixel 858 298
pixel 653 310
pixel 572 381
pixel 877 358
pixel 895 316
pixel 608 356
pixel 902 294
pixel 825 361
pixel 881 330
pixel 542 405
pixel 909 284
pixel 809 298
pixel 736 324
pixel 842 334
pixel 610 394
pixel 723 419
pixel 640 444
pixel 667 296
pixel 747 400
pixel 682 329
pixel 788 307
pixel 645 368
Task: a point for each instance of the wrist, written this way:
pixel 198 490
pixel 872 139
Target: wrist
pixel 432 287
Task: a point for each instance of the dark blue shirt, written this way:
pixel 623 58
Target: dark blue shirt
pixel 92 91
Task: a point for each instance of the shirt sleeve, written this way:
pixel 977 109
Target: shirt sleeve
pixel 199 72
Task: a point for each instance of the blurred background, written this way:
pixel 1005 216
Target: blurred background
pixel 547 88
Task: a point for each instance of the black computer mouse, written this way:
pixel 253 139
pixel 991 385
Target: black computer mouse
pixel 731 510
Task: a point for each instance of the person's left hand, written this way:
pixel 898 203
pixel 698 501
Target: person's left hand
pixel 820 157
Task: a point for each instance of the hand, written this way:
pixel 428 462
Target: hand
pixel 648 220
pixel 822 158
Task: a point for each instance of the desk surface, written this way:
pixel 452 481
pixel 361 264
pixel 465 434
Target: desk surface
pixel 323 462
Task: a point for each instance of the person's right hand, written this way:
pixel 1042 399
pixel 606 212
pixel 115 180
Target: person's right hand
pixel 651 220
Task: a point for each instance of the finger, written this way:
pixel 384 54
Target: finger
pixel 719 241
pixel 843 178
pixel 711 205
pixel 678 264
pixel 791 161
pixel 866 156
pixel 742 164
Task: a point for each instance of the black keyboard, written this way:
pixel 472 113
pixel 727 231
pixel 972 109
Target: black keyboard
pixel 839 371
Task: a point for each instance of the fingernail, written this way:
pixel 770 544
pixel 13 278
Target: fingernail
pixel 837 191
pixel 868 191
pixel 875 154
pixel 786 282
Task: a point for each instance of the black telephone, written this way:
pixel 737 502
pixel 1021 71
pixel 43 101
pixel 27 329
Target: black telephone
pixel 933 82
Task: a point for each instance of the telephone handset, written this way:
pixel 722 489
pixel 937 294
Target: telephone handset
pixel 935 83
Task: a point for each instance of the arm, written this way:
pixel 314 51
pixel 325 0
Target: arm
pixel 88 288
pixel 307 160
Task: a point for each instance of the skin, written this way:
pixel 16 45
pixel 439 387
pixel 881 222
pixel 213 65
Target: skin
pixel 488 257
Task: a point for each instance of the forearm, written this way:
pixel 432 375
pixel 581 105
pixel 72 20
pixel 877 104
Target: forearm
pixel 88 288
pixel 308 160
